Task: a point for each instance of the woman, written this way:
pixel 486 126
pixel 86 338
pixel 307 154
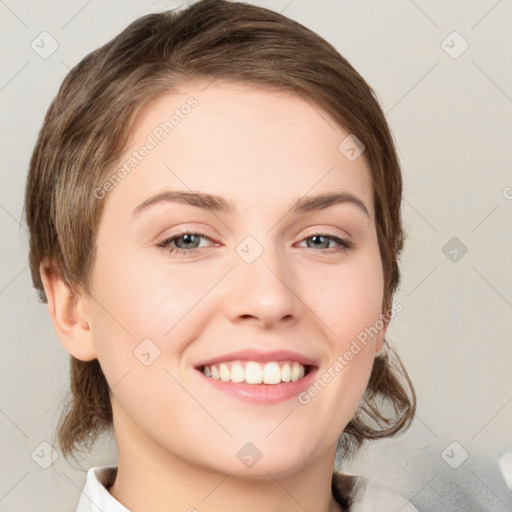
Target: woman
pixel 214 215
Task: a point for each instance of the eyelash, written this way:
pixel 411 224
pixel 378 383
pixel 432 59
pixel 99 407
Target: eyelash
pixel 344 245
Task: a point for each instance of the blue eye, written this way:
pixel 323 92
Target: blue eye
pixel 190 243
pixel 345 244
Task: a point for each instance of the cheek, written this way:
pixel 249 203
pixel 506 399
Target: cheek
pixel 138 300
pixel 349 299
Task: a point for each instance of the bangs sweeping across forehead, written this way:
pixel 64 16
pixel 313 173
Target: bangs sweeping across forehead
pixel 89 123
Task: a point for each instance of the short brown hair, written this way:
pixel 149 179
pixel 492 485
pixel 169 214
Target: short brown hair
pixel 87 127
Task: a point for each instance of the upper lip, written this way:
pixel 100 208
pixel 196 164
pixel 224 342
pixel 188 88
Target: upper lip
pixel 260 356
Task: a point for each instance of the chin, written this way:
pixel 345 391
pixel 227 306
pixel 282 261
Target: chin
pixel 250 464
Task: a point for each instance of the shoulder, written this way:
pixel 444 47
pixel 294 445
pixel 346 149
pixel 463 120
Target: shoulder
pixel 359 494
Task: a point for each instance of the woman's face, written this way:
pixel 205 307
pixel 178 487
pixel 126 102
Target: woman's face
pixel 257 275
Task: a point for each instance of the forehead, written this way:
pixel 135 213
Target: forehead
pixel 254 146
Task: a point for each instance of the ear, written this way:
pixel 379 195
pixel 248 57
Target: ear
pixel 69 315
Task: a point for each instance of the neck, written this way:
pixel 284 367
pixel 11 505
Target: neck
pixel 198 491
pixel 151 479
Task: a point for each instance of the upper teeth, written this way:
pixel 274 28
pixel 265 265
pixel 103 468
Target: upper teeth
pixel 256 373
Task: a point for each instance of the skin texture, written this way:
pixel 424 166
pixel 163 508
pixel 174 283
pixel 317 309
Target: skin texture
pixel 177 435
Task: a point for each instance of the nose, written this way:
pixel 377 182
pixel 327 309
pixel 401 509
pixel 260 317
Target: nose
pixel 262 292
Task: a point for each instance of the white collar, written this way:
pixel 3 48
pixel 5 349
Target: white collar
pixel 95 496
pixel 367 495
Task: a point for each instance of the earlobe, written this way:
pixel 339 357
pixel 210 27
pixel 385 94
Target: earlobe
pixel 69 315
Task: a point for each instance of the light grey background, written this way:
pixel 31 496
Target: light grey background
pixel 452 121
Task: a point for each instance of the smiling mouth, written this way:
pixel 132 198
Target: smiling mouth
pixel 253 372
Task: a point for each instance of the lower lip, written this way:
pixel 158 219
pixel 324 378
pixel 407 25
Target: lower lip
pixel 265 393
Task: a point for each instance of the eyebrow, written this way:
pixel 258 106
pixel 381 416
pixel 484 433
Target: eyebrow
pixel 215 203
